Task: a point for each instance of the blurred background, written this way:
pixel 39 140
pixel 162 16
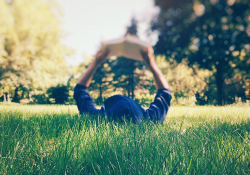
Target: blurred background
pixel 202 47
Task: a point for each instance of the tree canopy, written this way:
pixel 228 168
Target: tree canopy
pixel 203 50
pixel 31 52
pixel 212 34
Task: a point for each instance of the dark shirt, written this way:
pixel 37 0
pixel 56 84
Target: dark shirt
pixel 156 112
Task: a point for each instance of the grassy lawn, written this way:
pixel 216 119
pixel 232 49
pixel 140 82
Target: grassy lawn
pixel 56 140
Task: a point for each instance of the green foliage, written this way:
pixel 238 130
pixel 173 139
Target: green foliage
pixel 145 99
pixel 40 98
pixel 102 81
pixel 56 140
pixel 118 76
pixel 31 52
pixel 211 34
pixel 205 48
pixel 188 85
pixel 128 73
pixel 132 29
pixel 58 94
pixel 125 75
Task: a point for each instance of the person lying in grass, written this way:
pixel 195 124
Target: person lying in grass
pixel 118 106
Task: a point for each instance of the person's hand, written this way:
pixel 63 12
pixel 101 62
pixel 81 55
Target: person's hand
pixel 148 56
pixel 101 55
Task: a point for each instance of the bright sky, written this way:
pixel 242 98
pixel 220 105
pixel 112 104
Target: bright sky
pixel 88 22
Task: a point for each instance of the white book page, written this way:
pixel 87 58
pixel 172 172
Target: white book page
pixel 115 47
pixel 133 47
pixel 128 46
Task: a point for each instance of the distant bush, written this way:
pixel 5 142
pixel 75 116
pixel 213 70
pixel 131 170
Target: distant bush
pixel 145 99
pixel 41 98
pixel 24 101
pixel 58 94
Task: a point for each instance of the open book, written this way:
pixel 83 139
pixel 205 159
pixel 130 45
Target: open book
pixel 128 46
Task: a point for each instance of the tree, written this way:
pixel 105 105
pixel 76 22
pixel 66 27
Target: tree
pixel 59 93
pixel 127 74
pixel 102 80
pixel 212 34
pixel 31 52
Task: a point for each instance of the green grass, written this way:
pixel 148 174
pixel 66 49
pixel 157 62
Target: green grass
pixel 56 140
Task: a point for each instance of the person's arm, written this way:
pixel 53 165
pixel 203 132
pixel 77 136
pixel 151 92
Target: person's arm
pixel 87 76
pixel 83 100
pixel 159 79
pixel 161 104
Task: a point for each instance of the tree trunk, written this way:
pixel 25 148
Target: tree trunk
pixel 133 91
pixel 22 95
pixel 225 100
pixel 4 97
pixel 243 90
pixel 8 97
pixel 30 95
pixel 100 93
pixel 15 98
pixel 219 83
pixel 128 86
pixel 131 77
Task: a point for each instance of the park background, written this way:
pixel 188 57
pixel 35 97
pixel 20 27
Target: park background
pixel 202 47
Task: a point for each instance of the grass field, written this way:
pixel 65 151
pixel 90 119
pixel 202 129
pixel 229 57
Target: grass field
pixel 56 140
